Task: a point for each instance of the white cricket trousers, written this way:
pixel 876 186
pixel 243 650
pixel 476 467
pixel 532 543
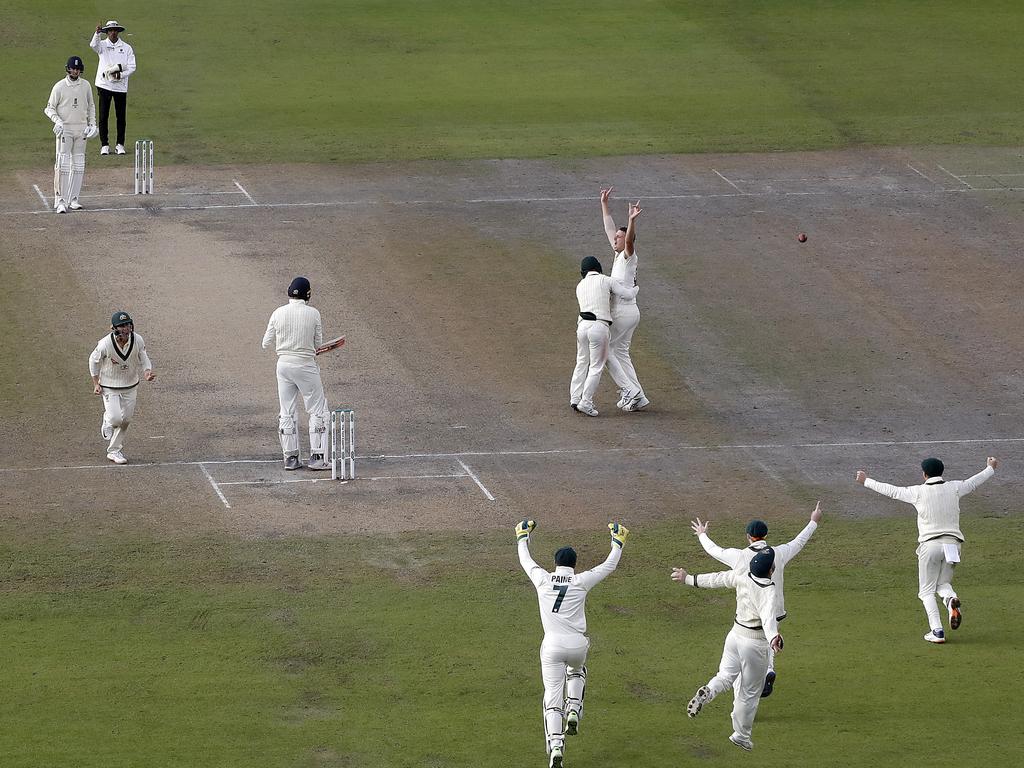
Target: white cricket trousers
pixel 591 355
pixel 625 319
pixel 69 164
pixel 301 376
pixel 743 667
pixel 118 409
pixel 935 575
pixel 563 668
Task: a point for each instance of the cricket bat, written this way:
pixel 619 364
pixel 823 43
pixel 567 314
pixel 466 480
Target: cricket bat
pixel 329 345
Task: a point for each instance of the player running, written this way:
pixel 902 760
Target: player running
pixel 563 653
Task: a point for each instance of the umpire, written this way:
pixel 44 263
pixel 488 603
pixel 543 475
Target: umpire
pixel 117 63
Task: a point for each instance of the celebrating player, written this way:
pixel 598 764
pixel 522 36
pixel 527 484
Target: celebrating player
pixel 296 331
pixel 115 366
pixel 73 113
pixel 939 538
pixel 745 656
pixel 563 653
pixel 625 313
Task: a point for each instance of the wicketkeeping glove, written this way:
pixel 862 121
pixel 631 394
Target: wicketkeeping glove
pixel 619 533
pixel 524 529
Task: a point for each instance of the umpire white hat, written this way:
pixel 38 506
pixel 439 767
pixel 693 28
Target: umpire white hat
pixel 112 24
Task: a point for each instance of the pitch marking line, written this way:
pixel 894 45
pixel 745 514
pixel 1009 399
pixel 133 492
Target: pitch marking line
pixel 46 204
pixel 216 488
pixel 923 175
pixel 476 479
pixel 958 178
pixel 242 190
pixel 328 480
pixel 727 181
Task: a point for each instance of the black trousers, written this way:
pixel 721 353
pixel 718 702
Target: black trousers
pixel 120 107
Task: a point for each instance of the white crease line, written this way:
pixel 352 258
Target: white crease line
pixel 476 479
pixel 958 178
pixel 548 452
pixel 46 204
pixel 726 180
pixel 242 189
pixel 923 175
pixel 185 193
pixel 328 479
pixel 216 488
pixel 987 175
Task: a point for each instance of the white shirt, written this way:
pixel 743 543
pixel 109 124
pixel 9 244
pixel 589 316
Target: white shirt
pixel 739 559
pixel 562 595
pixel 594 294
pixel 71 102
pixel 112 54
pixel 296 330
pixel 119 368
pixel 937 502
pixel 624 270
pixel 756 599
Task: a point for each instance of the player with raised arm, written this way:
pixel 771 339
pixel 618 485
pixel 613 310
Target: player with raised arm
pixel 562 595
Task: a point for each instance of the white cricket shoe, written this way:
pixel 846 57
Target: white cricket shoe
pixel 955 617
pixel 742 743
pixel 557 758
pixel 700 698
pixel 317 463
pixel 935 636
pixel 637 404
pixel 61 208
pixel 105 432
pixel 589 410
pixel 117 457
pixel 119 149
pixel 105 149
pixel 75 205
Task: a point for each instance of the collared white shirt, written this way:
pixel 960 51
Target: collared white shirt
pixel 112 54
pixel 71 102
pixel 937 502
pixel 624 270
pixel 562 594
pixel 295 329
pixel 756 599
pixel 594 294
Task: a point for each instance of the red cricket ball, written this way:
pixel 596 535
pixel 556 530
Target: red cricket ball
pixel 802 237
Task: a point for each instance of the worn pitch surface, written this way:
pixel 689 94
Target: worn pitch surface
pixel 775 369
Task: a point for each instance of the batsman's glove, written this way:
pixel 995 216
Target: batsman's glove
pixel 58 127
pixel 91 132
pixel 619 533
pixel 524 529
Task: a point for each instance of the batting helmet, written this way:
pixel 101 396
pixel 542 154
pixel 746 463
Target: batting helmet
pixel 299 289
pixel 121 318
pixel 75 62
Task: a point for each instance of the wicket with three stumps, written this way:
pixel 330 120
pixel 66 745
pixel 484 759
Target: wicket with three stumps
pixel 343 443
pixel 144 167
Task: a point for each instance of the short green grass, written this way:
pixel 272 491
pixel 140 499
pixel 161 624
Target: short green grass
pixel 422 651
pixel 325 81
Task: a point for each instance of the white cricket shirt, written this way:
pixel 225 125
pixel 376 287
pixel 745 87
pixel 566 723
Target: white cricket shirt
pixel 119 368
pixel 624 270
pixel 71 102
pixel 594 294
pixel 112 54
pixel 756 599
pixel 562 594
pixel 295 330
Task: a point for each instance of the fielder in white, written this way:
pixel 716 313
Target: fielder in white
pixel 562 596
pixel 594 294
pixel 755 631
pixel 115 366
pixel 739 559
pixel 73 112
pixel 296 331
pixel 939 538
pixel 625 313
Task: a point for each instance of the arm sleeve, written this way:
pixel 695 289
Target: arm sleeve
pixel 892 491
pixel 621 290
pixel 609 225
pixel 728 557
pixel 971 483
pixel 589 579
pixel 51 105
pixel 534 572
pixel 95 42
pixel 147 364
pixel 92 109
pixel 95 359
pixel 716 580
pixel 794 547
pixel 318 334
pixel 129 67
pixel 271 334
pixel 767 611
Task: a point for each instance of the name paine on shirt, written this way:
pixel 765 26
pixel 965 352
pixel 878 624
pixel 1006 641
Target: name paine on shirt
pixel 560 579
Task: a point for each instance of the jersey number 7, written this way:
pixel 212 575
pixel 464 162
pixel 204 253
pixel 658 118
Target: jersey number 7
pixel 561 596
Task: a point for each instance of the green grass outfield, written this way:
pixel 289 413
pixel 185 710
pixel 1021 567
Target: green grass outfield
pixel 422 651
pixel 262 81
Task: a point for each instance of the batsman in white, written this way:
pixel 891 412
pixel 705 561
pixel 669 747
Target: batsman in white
pixel 116 365
pixel 73 112
pixel 739 559
pixel 562 595
pixel 593 293
pixel 296 331
pixel 625 313
pixel 745 656
pixel 939 539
